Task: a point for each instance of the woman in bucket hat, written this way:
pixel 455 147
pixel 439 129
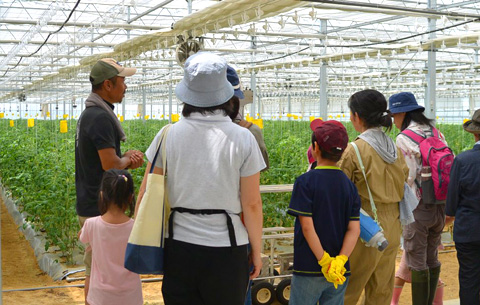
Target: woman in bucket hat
pixel 213 175
pixel 422 237
pixel 463 206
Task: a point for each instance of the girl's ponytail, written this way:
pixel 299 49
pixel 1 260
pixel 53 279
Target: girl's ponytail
pixel 117 188
pixel 371 107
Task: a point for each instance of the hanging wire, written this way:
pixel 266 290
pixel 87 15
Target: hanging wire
pixel 46 39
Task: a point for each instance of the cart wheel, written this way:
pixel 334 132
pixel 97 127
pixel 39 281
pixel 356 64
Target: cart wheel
pixel 262 293
pixel 283 291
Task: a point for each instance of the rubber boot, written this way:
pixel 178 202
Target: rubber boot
pixel 433 283
pixel 420 287
pixel 438 300
pixel 397 291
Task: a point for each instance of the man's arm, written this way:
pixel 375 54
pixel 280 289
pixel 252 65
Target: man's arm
pixel 311 236
pixel 253 217
pixel 454 188
pixel 132 159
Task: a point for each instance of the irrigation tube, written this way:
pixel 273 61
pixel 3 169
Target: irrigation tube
pixel 71 286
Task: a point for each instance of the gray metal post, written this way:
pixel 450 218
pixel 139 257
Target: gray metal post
pixel 144 96
pixel 123 108
pixel 289 107
pixel 170 93
pixel 253 81
pixel 471 105
pixel 323 101
pixel 430 94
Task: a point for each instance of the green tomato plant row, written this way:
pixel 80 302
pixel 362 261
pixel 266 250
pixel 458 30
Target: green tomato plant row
pixel 37 166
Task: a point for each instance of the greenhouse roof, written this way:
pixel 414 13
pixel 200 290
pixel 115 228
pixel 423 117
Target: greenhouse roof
pixel 277 46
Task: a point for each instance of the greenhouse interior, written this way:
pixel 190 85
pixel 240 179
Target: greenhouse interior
pixel 297 61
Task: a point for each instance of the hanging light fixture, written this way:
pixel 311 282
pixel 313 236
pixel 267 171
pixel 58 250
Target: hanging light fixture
pixel 295 17
pixel 281 22
pixel 265 26
pixel 313 14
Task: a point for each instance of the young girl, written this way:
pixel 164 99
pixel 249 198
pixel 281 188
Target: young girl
pixel 110 282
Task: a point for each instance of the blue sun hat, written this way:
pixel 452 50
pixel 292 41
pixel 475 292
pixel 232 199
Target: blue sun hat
pixel 233 78
pixel 204 83
pixel 403 102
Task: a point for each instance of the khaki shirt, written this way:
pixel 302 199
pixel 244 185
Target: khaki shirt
pixel 386 181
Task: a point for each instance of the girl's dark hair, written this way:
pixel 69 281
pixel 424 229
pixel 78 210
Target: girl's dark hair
pixel 117 188
pixel 371 106
pixel 229 108
pixel 418 117
pixel 323 153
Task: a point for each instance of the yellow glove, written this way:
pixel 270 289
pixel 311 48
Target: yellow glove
pixel 337 270
pixel 325 264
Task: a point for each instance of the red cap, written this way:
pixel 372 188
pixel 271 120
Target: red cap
pixel 331 136
pixel 315 123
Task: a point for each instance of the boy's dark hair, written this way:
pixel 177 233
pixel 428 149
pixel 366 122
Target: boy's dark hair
pixel 371 106
pixel 323 153
pixel 418 117
pixel 98 87
pixel 117 188
pixel 229 108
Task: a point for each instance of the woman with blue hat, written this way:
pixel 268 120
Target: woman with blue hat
pixel 213 171
pixel 421 238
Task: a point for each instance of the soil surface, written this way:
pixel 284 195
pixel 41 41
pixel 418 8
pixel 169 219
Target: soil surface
pixel 20 271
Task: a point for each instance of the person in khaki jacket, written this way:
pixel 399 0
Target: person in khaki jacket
pixel 386 172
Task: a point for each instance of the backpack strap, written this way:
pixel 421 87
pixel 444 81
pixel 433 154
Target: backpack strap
pixel 362 167
pixel 415 137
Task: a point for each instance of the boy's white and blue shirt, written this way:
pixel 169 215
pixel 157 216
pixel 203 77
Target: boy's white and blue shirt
pixel 331 199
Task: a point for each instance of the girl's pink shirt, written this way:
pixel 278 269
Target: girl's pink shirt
pixel 110 282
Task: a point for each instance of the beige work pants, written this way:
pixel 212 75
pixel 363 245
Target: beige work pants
pixel 374 270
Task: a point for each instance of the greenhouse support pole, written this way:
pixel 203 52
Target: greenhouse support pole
pixel 259 102
pixel 123 108
pixel 430 94
pixel 471 105
pixel 253 81
pixel 170 94
pixel 289 106
pixel 144 97
pixel 323 102
pixel 64 108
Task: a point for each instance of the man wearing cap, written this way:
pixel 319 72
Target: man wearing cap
pixel 326 205
pixel 97 142
pixel 463 206
pixel 233 79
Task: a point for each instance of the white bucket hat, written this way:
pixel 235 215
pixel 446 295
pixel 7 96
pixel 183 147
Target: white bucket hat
pixel 204 83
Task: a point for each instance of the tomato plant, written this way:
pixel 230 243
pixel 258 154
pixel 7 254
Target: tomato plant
pixel 37 165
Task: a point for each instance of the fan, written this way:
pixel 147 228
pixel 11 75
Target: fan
pixel 186 49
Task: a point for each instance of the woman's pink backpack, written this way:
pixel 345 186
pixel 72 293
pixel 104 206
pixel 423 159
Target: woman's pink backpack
pixel 437 158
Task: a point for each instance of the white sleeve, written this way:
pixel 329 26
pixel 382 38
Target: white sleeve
pixel 412 155
pixel 253 159
pixel 152 149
